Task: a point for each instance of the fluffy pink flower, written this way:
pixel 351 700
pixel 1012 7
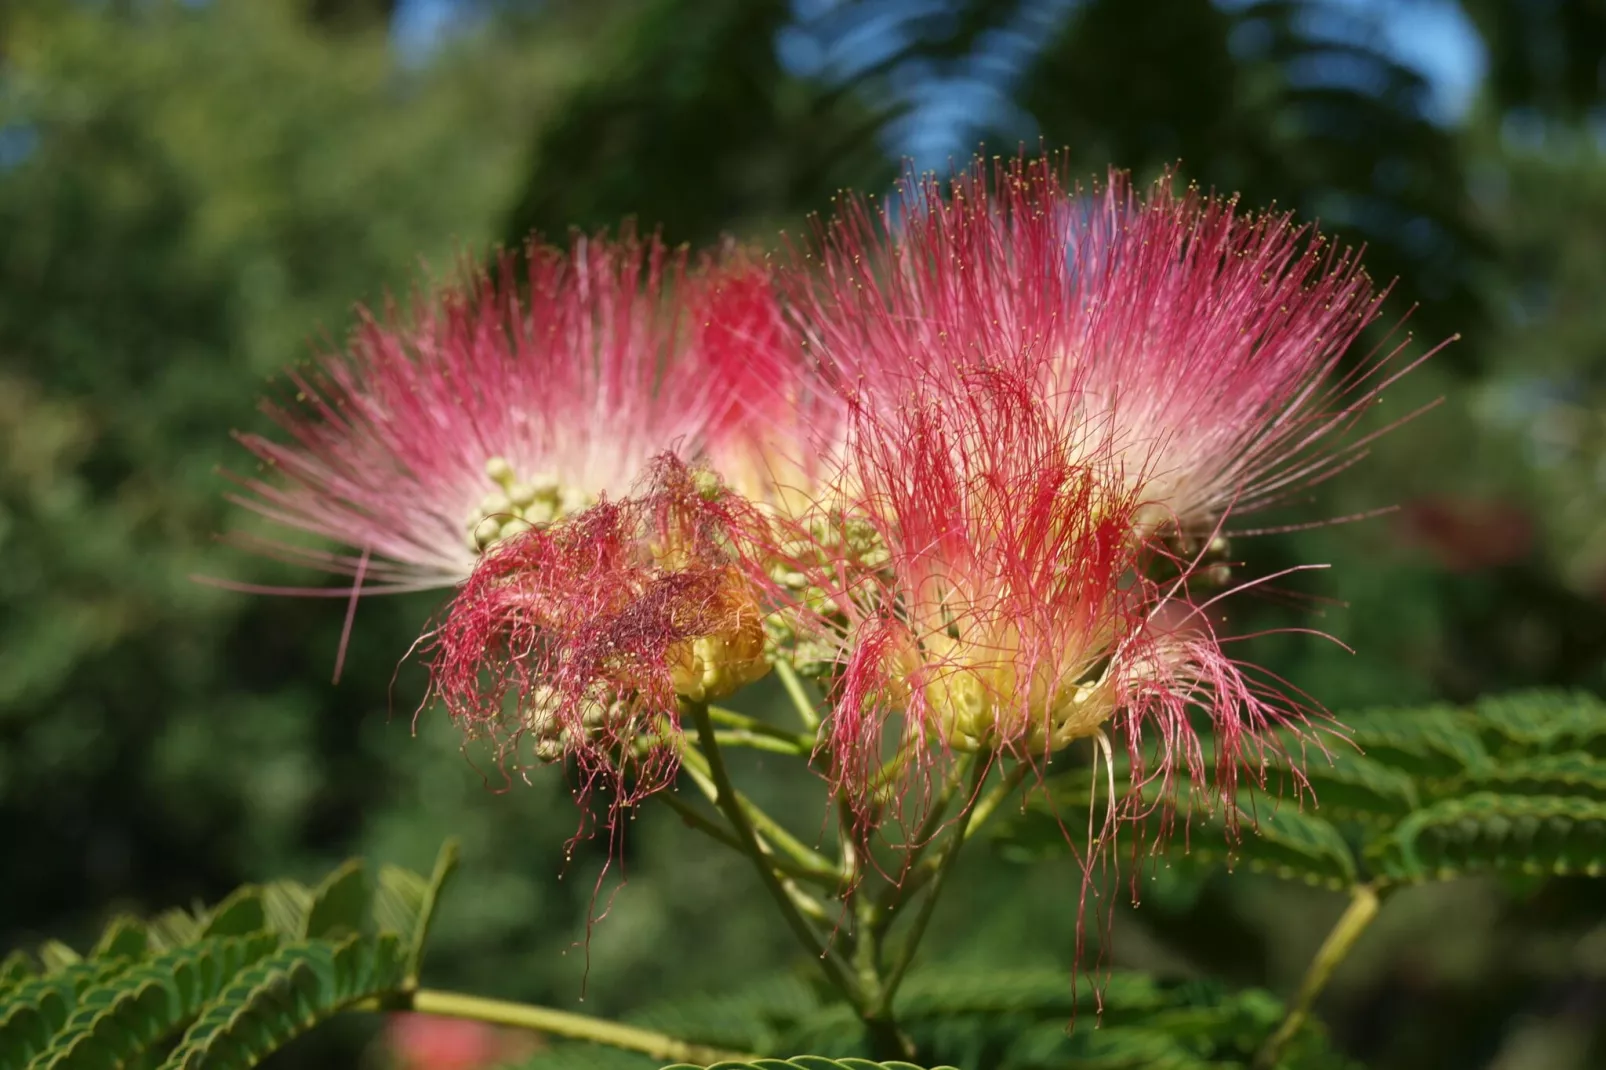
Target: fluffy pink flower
pixel 1203 343
pixel 513 399
pixel 1004 601
pixel 779 437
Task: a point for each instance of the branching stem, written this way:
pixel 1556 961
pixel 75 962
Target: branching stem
pixel 817 866
pixel 731 806
pixel 801 743
pixel 945 861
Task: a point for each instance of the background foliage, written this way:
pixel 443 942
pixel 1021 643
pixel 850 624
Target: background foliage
pixel 190 193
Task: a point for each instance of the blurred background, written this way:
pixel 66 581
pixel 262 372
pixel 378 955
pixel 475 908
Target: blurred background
pixel 194 194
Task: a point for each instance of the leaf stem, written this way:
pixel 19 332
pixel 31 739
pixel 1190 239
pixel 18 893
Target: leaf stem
pixel 741 737
pixel 1363 907
pixel 552 1022
pixel 728 802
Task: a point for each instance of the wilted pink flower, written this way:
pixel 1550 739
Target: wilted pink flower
pixel 577 640
pixel 519 397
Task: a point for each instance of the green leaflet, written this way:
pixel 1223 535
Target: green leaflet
pixel 1269 835
pixel 1274 836
pixel 175 928
pixel 1348 785
pixel 237 915
pixel 1431 742
pixel 285 905
pixel 15 968
pixel 124 938
pixel 1543 721
pixel 1487 831
pixel 404 903
pixel 762 1017
pixel 1512 785
pixel 286 994
pixel 939 993
pixel 339 905
pixel 37 1008
pixel 1049 1044
pixel 114 1022
pixel 1572 773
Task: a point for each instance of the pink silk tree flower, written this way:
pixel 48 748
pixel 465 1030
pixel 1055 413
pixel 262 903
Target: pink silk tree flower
pixel 778 438
pixel 1205 341
pixel 1008 607
pixel 512 400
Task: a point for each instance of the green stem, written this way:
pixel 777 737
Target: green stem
pixel 1363 907
pixel 979 814
pixel 552 1022
pixel 728 803
pixel 813 864
pixel 799 696
pixel 741 737
pixel 981 764
pixel 804 743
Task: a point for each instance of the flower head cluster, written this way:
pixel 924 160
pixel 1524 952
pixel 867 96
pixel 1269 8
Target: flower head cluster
pixel 958 461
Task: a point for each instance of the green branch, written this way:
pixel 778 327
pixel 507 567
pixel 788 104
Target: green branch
pixel 553 1023
pixel 810 864
pixel 1363 907
pixel 799 696
pixel 981 765
pixel 729 804
pixel 796 742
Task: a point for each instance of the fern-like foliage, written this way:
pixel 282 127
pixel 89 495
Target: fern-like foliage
pixel 223 986
pixel 1513 785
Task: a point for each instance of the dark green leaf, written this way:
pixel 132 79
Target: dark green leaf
pixel 242 912
pixel 339 905
pixel 124 938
